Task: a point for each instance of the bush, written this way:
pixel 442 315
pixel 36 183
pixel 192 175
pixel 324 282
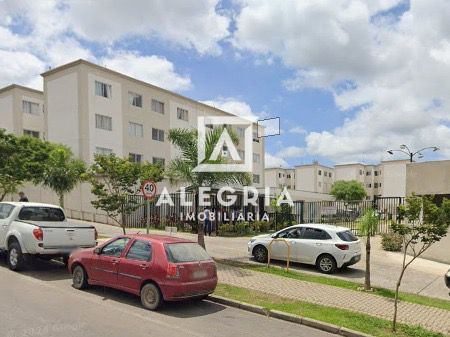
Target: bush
pixel 391 242
pixel 261 226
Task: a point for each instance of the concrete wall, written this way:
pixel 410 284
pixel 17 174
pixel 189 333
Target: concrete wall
pixel 7 113
pixel 428 178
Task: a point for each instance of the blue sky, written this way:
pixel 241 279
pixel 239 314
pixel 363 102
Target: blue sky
pixel 348 79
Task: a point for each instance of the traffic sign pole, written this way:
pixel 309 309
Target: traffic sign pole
pixel 148 188
pixel 148 215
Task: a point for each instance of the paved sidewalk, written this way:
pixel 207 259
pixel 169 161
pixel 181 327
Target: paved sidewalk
pixel 430 318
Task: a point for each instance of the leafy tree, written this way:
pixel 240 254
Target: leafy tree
pixel 283 212
pixel 21 160
pixel 62 172
pixel 424 223
pixel 114 179
pixel 348 191
pixel 367 227
pixel 181 168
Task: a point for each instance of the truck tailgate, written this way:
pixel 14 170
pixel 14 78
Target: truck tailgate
pixel 65 234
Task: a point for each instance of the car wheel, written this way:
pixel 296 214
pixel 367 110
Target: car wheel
pixel 260 254
pixel 79 278
pixel 326 264
pixel 151 297
pixel 15 257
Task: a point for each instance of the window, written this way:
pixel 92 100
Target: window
pixel 41 213
pixel 135 129
pixel 135 99
pixel 375 185
pixel 368 173
pixel 375 173
pixel 30 107
pixel 320 172
pixel 279 175
pixel 347 236
pixel 159 161
pixel 5 210
pixel 291 233
pixel 157 106
pixel 140 250
pixel 360 172
pixel 102 89
pixel 103 122
pixel 256 178
pixel 115 248
pixel 256 158
pixel 379 185
pixel 158 134
pixel 314 234
pixel 369 185
pixel 103 151
pixel 182 114
pixel 289 176
pixel 240 132
pixel 329 174
pixel 209 126
pixel 241 154
pixel 185 252
pixel 31 133
pixel 135 158
pixel 255 137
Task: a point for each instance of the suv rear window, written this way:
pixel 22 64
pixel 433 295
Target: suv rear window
pixel 41 213
pixel 185 252
pixel 347 236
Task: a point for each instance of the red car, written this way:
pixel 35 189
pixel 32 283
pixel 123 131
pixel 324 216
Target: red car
pixel 158 268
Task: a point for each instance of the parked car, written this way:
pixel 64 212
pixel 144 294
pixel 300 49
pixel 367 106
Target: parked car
pixel 157 268
pixel 326 246
pixel 42 230
pixel 447 279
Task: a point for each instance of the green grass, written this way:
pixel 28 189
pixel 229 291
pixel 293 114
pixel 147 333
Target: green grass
pixel 406 297
pixel 340 317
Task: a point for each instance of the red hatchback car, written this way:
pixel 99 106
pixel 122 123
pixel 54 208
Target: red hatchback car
pixel 158 268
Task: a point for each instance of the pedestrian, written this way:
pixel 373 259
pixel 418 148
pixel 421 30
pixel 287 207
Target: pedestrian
pixel 207 227
pixel 22 197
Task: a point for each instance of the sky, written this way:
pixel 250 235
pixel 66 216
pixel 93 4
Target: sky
pixel 348 79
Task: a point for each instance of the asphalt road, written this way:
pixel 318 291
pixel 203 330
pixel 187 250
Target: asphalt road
pixel 41 302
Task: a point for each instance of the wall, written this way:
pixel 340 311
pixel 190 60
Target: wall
pixel 428 178
pixel 6 109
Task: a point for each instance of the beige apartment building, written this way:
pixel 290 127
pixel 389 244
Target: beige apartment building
pixel 92 109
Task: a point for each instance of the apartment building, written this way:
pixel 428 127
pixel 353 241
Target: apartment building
pixel 22 111
pixel 278 177
pixel 92 109
pixel 314 178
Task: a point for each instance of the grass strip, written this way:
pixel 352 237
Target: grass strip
pixel 331 281
pixel 356 321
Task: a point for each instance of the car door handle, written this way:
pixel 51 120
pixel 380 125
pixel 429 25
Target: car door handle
pixel 115 261
pixel 143 266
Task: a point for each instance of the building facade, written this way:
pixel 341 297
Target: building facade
pixel 92 109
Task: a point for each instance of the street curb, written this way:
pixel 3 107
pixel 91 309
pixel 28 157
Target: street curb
pixel 287 317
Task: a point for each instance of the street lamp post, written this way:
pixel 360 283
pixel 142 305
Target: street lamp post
pixel 404 149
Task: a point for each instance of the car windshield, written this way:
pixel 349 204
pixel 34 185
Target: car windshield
pixel 41 213
pixel 347 236
pixel 185 252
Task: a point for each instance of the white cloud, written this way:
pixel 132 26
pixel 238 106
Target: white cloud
pixel 393 71
pixel 153 69
pixel 298 130
pixel 191 24
pixel 19 67
pixel 274 161
pixel 291 152
pixel 235 106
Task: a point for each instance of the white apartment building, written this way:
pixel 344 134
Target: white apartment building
pixel 314 178
pixel 92 109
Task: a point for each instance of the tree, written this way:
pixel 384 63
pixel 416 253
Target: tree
pixel 62 172
pixel 114 179
pixel 21 160
pixel 348 191
pixel 181 168
pixel 367 227
pixel 424 223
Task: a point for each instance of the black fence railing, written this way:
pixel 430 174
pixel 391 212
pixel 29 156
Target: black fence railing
pixel 339 213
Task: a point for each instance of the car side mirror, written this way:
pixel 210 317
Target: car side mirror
pixel 97 251
pixel 274 236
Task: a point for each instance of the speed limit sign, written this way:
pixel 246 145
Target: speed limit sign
pixel 148 189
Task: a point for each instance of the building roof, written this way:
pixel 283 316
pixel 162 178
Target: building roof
pixel 18 86
pixel 90 64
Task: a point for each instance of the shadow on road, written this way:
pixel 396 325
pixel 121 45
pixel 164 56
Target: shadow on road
pixel 42 270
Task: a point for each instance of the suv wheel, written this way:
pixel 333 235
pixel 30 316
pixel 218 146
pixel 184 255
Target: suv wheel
pixel 260 254
pixel 326 264
pixel 15 257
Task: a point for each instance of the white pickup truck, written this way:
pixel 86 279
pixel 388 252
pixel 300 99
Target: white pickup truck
pixel 35 229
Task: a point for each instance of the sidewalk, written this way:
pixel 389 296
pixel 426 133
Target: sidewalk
pixel 414 314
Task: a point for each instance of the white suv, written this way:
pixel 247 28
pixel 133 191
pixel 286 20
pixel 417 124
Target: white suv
pixel 326 246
